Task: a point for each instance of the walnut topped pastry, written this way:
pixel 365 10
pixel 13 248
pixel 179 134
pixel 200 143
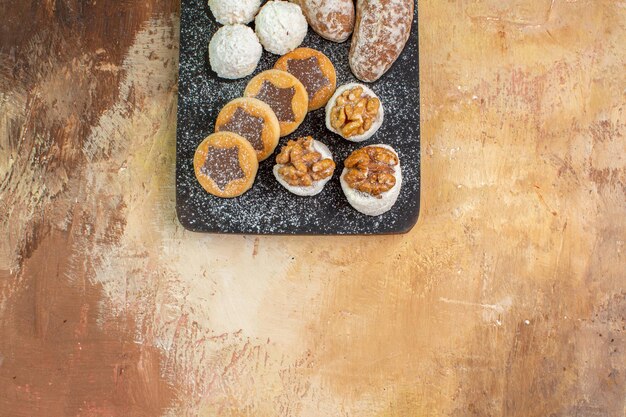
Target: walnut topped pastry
pixel 225 164
pixel 304 166
pixel 314 70
pixel 372 179
pixel 354 112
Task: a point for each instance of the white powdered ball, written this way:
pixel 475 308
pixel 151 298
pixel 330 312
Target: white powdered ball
pixel 234 52
pixel 230 12
pixel 281 26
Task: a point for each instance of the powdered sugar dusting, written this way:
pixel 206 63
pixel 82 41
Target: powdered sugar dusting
pixel 234 51
pixel 382 29
pixel 268 208
pixel 229 12
pixel 281 26
pixel 332 19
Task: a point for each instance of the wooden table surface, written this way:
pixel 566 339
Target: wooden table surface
pixel 507 299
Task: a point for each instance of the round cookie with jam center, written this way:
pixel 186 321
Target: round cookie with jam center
pixel 225 164
pixel 284 94
pixel 254 120
pixel 314 70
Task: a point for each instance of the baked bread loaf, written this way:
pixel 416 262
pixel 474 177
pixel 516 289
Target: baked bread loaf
pixel 331 19
pixel 381 31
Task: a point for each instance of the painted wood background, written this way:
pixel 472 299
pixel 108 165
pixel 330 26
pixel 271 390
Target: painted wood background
pixel 507 299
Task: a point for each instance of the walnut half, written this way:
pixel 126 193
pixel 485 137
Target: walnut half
pixel 371 170
pixel 302 165
pixel 354 112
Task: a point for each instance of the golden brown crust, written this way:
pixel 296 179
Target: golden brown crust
pixel 278 82
pixel 381 31
pixel 246 157
pixel 331 19
pixel 257 109
pixel 321 97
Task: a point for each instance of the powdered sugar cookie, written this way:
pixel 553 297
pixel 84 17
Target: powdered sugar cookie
pixel 234 52
pixel 281 26
pixel 230 12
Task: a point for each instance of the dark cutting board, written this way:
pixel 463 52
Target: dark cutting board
pixel 268 208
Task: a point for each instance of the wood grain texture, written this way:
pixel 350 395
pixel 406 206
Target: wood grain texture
pixel 507 299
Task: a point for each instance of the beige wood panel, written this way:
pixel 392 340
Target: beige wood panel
pixel 507 299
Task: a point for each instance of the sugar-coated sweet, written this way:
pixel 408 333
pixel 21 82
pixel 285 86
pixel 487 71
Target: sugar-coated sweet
pixel 230 12
pixel 281 26
pixel 234 52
